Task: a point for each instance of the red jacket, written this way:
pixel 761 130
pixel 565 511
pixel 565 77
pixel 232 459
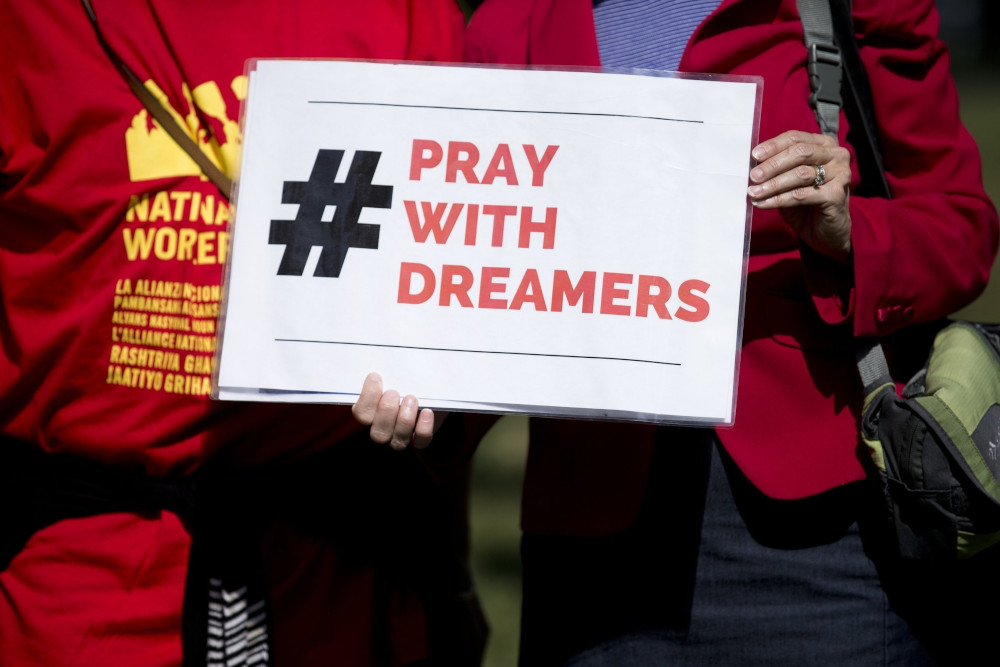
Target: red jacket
pixel 917 258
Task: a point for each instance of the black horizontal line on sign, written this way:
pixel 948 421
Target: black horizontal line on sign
pixel 560 113
pixel 444 349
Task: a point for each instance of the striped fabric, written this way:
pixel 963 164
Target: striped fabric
pixel 237 628
pixel 647 34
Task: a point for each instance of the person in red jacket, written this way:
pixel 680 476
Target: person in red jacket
pixel 131 505
pixel 628 559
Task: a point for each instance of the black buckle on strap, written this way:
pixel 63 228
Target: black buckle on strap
pixel 823 66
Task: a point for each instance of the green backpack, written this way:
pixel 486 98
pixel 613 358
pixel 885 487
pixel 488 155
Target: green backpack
pixel 936 448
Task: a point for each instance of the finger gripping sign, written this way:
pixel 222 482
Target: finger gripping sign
pixel 549 242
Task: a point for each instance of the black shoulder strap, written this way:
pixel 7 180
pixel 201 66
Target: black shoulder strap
pixel 833 51
pixel 858 106
pixel 838 78
pixel 159 112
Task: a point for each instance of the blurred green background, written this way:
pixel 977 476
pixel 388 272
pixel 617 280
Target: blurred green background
pixel 499 463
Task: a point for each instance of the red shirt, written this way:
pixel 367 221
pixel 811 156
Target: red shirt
pixel 112 248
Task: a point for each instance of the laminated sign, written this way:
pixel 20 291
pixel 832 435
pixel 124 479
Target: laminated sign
pixel 549 242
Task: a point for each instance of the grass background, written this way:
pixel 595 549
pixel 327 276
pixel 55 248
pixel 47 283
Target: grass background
pixel 499 463
pixel 979 92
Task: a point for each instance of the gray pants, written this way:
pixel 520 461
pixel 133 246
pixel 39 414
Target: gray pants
pixel 693 584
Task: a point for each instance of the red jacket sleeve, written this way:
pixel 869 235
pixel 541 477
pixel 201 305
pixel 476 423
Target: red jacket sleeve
pixel 928 251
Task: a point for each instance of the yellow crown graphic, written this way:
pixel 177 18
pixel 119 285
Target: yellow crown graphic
pixel 152 153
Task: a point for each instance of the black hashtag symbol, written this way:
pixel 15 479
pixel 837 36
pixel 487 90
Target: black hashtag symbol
pixel 313 196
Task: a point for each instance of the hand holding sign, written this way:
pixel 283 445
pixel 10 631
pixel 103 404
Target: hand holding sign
pixel 788 177
pixel 394 421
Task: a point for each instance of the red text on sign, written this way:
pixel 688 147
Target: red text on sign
pixel 457 284
pixel 439 220
pixel 462 158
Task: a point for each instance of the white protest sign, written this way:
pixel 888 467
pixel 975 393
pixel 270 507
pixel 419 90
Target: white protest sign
pixel 568 243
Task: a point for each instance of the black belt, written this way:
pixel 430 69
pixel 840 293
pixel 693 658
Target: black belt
pixel 39 489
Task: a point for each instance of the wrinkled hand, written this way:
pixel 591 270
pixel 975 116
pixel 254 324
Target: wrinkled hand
pixel 398 422
pixel 785 178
